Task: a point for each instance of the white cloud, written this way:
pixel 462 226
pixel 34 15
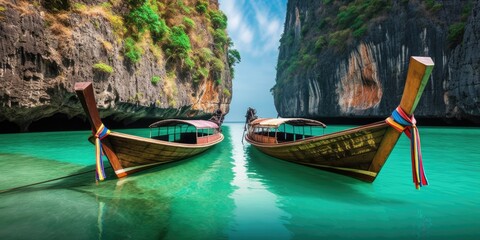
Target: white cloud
pixel 245 34
pixel 255 27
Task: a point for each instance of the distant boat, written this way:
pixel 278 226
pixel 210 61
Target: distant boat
pixel 170 140
pixel 358 152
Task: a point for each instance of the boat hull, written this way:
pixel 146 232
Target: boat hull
pixel 349 152
pixel 136 153
pixel 128 153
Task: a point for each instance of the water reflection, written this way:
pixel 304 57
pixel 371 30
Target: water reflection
pixel 184 200
pixel 312 202
pixel 234 191
pixel 257 215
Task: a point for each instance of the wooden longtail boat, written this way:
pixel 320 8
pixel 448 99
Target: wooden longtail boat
pixel 173 139
pixel 358 152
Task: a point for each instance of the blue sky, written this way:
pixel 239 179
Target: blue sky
pixel 255 28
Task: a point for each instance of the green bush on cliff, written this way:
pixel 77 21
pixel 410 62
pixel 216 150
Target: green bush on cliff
pixel 203 72
pixel 155 80
pixel 233 58
pixel 131 50
pixel 433 5
pixel 184 8
pixel 221 39
pixel 202 6
pixel 100 66
pixel 226 92
pixel 320 43
pixel 189 22
pixel 339 39
pixel 217 65
pixel 218 19
pixel 355 15
pixel 144 17
pixel 179 42
pixel 455 33
pixel 189 62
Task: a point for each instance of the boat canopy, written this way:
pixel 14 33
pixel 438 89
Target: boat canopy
pixel 275 122
pixel 199 124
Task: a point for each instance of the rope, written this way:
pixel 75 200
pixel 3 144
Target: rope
pixel 401 122
pixel 101 133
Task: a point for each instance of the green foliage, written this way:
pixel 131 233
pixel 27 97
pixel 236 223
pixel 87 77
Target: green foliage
pixel 455 33
pixel 144 17
pixel 184 8
pixel 233 57
pixel 203 72
pixel 189 62
pixel 360 31
pixel 56 5
pixel 179 42
pixel 131 50
pixel 308 60
pixel 467 10
pixel 433 5
pixel 206 55
pixel 327 1
pixel 100 66
pixel 218 19
pixel 117 24
pixel 338 39
pixel 354 16
pixel 221 39
pixel 320 43
pixel 79 7
pixel 188 22
pixel 202 6
pixel 217 65
pixel 347 15
pixel 226 92
pixel 155 80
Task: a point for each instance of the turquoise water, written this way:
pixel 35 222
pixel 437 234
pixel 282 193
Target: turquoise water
pixel 234 191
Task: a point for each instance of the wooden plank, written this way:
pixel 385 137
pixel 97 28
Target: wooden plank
pixel 85 94
pixel 418 74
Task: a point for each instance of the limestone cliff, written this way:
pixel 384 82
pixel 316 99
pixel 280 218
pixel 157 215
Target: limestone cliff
pixel 148 59
pixel 349 58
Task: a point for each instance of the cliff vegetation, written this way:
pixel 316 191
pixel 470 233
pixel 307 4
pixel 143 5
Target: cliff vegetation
pixel 148 59
pixel 349 58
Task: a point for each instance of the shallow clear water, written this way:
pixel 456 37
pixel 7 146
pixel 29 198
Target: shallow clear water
pixel 234 191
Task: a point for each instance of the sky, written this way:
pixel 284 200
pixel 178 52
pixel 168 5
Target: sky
pixel 255 28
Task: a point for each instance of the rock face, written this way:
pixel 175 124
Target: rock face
pixel 350 59
pixel 43 52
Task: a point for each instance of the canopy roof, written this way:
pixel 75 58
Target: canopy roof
pixel 275 122
pixel 196 123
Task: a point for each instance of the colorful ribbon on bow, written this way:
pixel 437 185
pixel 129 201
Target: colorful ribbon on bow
pixel 401 122
pixel 101 133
